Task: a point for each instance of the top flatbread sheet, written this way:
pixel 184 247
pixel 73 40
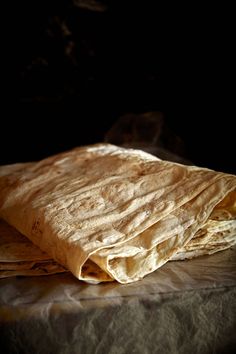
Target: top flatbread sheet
pixel 106 212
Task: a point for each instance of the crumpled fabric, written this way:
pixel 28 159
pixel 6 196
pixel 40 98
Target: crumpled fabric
pixel 180 308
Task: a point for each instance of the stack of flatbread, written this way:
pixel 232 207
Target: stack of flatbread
pixel 19 256
pixel 108 213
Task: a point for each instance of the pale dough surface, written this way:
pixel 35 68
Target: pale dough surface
pixel 106 212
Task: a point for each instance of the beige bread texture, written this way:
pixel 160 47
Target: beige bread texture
pixel 109 213
pixel 19 256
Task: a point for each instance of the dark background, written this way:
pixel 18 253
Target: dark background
pixel 83 64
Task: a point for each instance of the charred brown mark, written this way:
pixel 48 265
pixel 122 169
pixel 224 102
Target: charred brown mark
pixel 36 227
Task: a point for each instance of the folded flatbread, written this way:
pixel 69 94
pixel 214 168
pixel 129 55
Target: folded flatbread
pixel 106 212
pixel 19 256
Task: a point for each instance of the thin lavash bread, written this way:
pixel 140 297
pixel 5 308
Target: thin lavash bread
pixel 106 212
pixel 19 256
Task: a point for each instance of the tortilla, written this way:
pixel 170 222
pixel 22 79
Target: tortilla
pixel 106 212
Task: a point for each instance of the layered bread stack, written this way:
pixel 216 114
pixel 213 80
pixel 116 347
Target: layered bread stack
pixel 107 213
